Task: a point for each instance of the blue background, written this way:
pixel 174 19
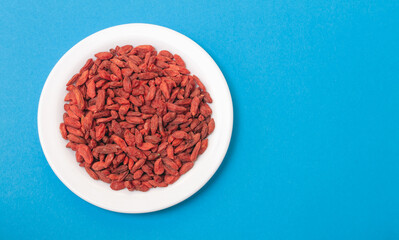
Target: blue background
pixel 314 152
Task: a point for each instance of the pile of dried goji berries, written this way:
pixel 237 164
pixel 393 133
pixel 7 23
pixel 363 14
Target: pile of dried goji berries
pixel 136 118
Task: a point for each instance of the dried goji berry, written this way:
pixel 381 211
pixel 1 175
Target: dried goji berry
pixel 135 118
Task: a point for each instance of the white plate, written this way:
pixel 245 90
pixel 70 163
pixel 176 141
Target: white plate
pixel 62 160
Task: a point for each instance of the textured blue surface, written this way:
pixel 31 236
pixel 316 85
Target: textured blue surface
pixel 315 146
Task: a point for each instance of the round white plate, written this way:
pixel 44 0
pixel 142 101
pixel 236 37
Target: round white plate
pixel 62 160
